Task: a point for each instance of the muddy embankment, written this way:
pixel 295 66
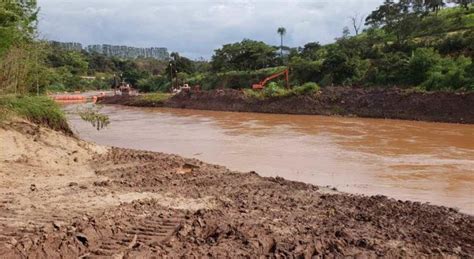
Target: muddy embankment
pixel 63 197
pixel 371 103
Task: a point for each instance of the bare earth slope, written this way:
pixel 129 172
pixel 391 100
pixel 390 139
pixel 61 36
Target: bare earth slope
pixel 62 197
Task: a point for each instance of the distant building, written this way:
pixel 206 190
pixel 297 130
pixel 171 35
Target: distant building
pixel 129 52
pixel 70 46
pixel 125 52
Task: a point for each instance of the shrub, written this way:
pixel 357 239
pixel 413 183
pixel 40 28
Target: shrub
pixel 154 84
pixel 389 69
pixel 305 70
pixel 275 90
pixel 453 44
pixel 307 88
pixel 96 119
pixel 232 79
pixel 56 88
pixel 422 61
pixel 254 94
pixel 449 74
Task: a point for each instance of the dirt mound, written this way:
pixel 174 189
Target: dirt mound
pixel 125 203
pixel 391 103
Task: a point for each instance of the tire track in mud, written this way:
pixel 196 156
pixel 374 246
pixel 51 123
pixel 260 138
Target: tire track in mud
pixel 148 231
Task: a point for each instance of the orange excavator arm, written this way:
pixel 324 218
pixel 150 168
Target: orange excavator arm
pixel 262 83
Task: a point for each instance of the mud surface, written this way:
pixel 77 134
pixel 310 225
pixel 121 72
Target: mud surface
pixel 389 103
pixel 61 197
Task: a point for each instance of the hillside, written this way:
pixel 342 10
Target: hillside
pixel 446 22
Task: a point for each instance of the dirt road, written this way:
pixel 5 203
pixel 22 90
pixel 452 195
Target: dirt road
pixel 63 197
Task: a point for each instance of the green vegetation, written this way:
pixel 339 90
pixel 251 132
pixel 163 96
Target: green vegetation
pixel 29 66
pixel 274 90
pixel 38 109
pixel 411 44
pixel 92 115
pixel 307 88
pixel 407 43
pixel 155 97
pixel 245 55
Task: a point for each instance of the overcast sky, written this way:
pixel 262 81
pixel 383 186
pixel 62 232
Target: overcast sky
pixel 196 27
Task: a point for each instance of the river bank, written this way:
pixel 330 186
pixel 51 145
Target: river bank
pixel 406 160
pixel 74 198
pixel 389 103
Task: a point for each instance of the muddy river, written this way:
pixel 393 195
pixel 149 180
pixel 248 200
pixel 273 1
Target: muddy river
pixel 428 162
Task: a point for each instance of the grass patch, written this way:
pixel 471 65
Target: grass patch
pixel 307 88
pixel 37 109
pixel 274 90
pixel 155 97
pixel 149 100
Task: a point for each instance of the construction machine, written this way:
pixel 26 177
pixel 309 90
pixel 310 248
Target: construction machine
pixel 262 83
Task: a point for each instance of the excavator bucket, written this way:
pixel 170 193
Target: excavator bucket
pixel 257 87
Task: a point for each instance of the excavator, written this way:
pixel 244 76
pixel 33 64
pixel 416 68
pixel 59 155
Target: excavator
pixel 262 83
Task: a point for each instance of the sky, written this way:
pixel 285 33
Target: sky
pixel 195 28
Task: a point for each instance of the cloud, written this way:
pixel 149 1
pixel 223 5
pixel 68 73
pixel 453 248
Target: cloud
pixel 196 27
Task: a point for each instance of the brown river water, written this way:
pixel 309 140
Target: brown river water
pixel 419 161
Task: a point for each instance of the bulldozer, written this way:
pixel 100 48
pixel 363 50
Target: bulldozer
pixel 263 83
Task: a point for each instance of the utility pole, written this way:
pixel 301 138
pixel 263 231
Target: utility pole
pixel 177 83
pixel 115 84
pixel 171 76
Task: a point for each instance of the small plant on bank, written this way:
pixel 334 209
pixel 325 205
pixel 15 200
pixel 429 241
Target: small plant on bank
pixel 250 93
pixel 307 88
pixel 275 90
pixel 155 97
pixel 92 115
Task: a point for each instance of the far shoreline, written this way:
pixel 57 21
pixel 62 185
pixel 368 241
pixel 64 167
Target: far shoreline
pixel 382 103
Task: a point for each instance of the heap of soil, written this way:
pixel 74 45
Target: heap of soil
pixel 97 202
pixel 391 103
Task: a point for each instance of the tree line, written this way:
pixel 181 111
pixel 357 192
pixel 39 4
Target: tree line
pixel 427 44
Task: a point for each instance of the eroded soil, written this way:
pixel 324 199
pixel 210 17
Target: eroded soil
pixel 61 197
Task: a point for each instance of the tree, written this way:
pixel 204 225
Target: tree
pixel 245 55
pixel 397 18
pixel 421 62
pixel 282 32
pixel 464 3
pixel 99 63
pixel 346 32
pixel 434 5
pixel 310 50
pixel 19 56
pixel 357 23
pixel 18 20
pixel 337 67
pixel 179 64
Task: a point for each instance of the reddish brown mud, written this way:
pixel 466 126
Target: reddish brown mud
pixel 87 201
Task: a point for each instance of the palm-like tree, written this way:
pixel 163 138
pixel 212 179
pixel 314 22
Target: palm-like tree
pixel 282 32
